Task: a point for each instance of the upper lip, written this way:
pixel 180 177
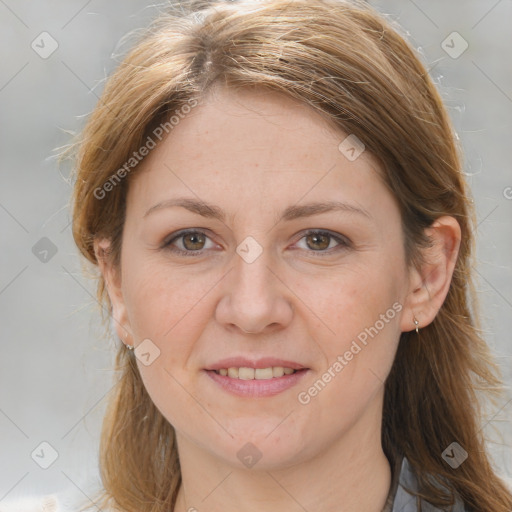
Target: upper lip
pixel 264 362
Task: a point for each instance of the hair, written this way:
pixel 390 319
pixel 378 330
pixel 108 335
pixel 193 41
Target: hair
pixel 353 66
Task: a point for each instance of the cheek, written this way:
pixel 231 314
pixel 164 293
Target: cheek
pixel 161 300
pixel 348 300
pixel 164 305
pixel 359 312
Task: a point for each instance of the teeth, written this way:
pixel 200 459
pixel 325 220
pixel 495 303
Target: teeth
pixel 245 373
pixel 277 371
pixel 233 373
pixel 263 373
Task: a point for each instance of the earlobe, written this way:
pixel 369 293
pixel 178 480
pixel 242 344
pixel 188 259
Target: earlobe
pixel 429 285
pixel 112 280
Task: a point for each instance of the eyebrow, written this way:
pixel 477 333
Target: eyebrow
pixel 291 213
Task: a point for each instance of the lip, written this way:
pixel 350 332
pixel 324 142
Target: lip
pixel 264 362
pixel 257 388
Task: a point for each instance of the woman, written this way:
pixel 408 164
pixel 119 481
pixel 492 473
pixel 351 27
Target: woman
pixel 274 199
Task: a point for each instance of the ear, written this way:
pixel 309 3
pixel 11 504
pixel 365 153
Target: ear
pixel 112 277
pixel 429 285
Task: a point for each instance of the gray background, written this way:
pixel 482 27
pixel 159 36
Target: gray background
pixel 54 364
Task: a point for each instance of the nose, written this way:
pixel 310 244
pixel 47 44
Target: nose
pixel 254 298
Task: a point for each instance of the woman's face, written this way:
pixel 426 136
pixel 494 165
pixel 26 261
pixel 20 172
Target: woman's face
pixel 321 289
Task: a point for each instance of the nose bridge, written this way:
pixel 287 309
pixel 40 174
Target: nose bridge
pixel 252 279
pixel 253 298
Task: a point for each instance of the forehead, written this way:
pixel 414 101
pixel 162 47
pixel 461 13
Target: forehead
pixel 255 147
pixel 257 118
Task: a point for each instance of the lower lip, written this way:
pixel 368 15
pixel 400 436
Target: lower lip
pixel 257 387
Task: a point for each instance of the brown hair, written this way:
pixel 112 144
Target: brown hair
pixel 352 66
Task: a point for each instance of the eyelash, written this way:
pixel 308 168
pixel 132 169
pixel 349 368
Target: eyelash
pixel 342 241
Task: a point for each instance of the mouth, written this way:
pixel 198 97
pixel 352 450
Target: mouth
pixel 247 373
pixel 263 378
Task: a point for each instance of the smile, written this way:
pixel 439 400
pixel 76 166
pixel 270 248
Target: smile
pixel 246 373
pixel 256 382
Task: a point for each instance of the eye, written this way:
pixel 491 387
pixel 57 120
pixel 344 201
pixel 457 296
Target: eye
pixel 324 241
pixel 193 242
pixel 189 242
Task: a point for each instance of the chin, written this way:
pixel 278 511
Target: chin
pixel 263 452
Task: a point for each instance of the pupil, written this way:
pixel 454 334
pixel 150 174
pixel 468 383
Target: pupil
pixel 192 237
pixel 319 238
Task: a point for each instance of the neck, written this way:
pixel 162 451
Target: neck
pixel 351 475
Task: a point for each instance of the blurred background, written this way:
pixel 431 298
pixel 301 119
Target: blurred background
pixel 55 366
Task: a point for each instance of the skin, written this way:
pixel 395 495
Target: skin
pixel 253 154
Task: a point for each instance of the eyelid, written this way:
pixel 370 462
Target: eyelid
pixel 342 241
pixel 181 233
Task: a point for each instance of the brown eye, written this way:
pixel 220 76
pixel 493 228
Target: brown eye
pixel 318 241
pixel 188 243
pixel 193 241
pixel 323 242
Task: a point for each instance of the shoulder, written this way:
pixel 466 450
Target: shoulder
pixel 406 502
pixel 48 503
pixel 66 501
